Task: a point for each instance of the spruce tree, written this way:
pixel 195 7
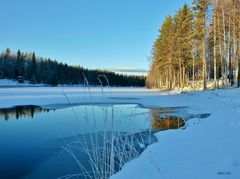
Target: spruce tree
pixel 33 68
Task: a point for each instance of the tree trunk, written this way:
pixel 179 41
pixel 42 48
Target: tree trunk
pixel 220 49
pixel 193 69
pixel 224 71
pixel 238 78
pixel 180 72
pixel 183 75
pixel 230 71
pixel 204 65
pixel 214 50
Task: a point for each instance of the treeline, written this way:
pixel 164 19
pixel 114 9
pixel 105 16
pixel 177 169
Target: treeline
pixel 198 46
pixel 37 70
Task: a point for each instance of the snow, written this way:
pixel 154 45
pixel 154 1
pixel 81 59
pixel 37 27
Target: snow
pixel 206 149
pixel 14 83
pixel 55 96
pixel 209 149
pixel 7 82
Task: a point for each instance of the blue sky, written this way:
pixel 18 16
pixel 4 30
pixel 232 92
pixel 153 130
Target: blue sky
pixel 92 33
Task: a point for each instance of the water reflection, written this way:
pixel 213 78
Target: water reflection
pixel 38 148
pixel 21 111
pixel 173 118
pixel 161 120
pixel 43 154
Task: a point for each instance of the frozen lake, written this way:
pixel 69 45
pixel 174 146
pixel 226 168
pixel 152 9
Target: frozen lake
pixel 30 135
pixel 33 139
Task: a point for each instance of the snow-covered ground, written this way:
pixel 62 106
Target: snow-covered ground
pixel 7 82
pixel 56 96
pixel 206 149
pixel 15 83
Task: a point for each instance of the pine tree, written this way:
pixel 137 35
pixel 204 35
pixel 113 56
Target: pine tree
pixel 200 8
pixel 205 47
pixel 7 53
pixel 33 68
pixel 166 49
pixel 184 42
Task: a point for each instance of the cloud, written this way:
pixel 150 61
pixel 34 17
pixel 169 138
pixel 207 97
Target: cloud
pixel 128 70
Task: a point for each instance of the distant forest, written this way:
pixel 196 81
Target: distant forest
pixel 23 66
pixel 198 47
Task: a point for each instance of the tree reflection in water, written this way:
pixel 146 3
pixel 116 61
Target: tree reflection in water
pixel 163 121
pixel 21 111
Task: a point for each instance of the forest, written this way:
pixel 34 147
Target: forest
pixel 26 66
pixel 198 47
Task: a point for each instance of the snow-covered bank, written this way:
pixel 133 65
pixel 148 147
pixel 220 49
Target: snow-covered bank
pixel 9 83
pixel 206 149
pixel 5 83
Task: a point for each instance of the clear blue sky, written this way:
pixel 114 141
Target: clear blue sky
pixel 92 33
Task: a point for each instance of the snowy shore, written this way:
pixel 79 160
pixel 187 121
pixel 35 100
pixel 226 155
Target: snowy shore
pixel 207 148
